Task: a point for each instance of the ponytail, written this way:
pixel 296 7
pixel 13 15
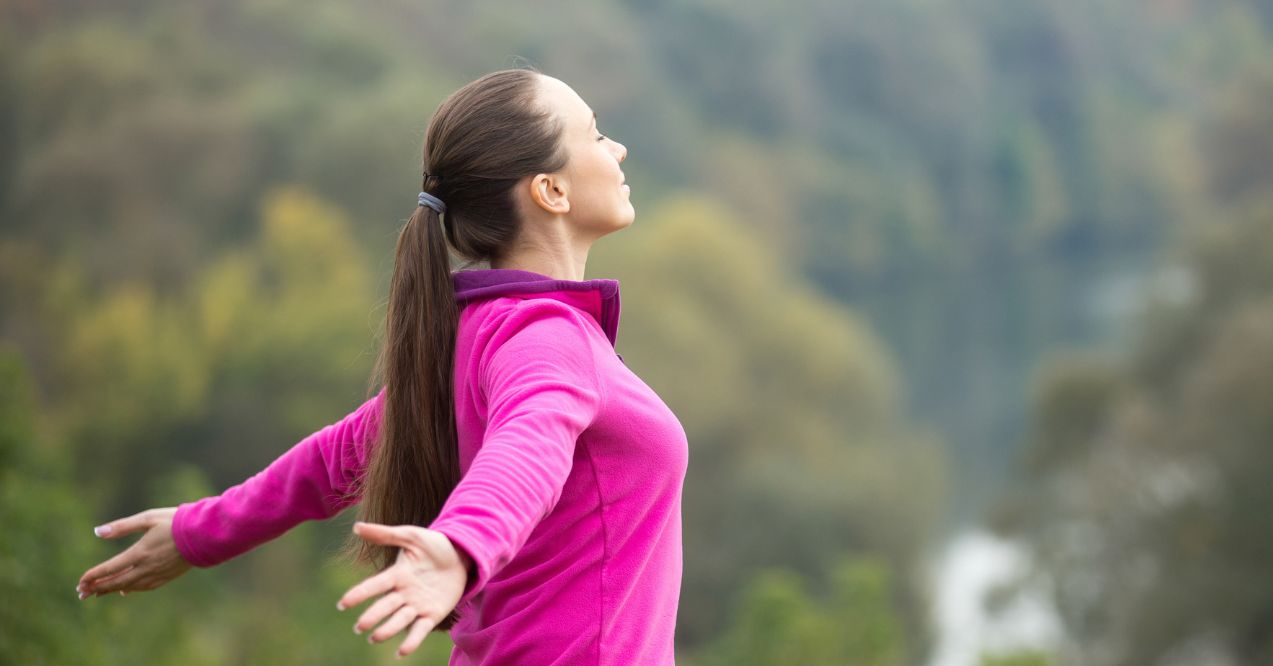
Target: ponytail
pixel 414 465
pixel 485 137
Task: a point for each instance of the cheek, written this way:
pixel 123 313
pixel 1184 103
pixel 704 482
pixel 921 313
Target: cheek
pixel 603 161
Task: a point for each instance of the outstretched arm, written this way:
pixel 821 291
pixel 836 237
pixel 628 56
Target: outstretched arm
pixel 315 479
pixel 540 380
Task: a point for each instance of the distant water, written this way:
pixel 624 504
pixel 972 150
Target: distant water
pixel 971 565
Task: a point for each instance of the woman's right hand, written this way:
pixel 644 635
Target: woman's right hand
pixel 147 564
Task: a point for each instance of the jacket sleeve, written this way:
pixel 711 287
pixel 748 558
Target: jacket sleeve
pixel 317 478
pixel 539 377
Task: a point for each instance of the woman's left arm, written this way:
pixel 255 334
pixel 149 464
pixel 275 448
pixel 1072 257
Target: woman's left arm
pixel 542 389
pixel 541 384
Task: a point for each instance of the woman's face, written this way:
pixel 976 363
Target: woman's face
pixel 594 181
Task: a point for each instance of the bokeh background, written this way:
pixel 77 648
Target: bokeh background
pixel 966 307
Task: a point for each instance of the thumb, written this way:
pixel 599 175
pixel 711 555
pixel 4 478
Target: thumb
pixel 382 534
pixel 118 528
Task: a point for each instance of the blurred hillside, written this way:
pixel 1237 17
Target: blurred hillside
pixel 1143 492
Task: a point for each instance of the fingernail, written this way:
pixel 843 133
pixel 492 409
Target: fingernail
pixel 340 605
pixel 357 630
pixel 102 530
pixel 83 595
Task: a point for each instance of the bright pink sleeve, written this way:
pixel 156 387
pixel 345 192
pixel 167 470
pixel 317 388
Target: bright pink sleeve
pixel 539 376
pixel 315 479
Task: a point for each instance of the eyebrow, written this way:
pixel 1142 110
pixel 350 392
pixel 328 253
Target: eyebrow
pixel 594 118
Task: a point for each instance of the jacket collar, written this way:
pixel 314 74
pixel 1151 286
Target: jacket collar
pixel 599 297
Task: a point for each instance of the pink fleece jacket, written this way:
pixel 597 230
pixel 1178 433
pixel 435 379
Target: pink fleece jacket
pixel 570 496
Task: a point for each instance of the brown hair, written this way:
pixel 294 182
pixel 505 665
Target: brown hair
pixel 482 140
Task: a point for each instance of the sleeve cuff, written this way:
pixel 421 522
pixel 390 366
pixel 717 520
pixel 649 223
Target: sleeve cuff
pixel 181 537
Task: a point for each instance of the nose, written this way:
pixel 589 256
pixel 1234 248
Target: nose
pixel 623 151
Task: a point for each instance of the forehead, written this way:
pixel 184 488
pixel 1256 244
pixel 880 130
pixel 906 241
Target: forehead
pixel 565 102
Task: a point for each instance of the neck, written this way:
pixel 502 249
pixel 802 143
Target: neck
pixel 559 260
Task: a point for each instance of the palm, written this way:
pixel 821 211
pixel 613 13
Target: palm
pixel 147 564
pixel 418 590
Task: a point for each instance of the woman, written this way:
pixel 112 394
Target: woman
pixel 548 474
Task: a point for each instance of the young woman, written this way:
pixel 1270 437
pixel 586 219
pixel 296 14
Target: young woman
pixel 548 474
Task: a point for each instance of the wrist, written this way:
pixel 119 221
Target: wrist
pixel 467 561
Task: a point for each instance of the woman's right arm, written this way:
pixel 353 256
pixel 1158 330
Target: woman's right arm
pixel 316 479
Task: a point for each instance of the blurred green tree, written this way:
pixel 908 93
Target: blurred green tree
pixel 1145 498
pixel 776 621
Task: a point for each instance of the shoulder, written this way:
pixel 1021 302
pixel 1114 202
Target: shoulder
pixel 530 320
pixel 521 334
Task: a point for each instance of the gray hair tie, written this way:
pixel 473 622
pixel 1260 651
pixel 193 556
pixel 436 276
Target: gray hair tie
pixel 433 202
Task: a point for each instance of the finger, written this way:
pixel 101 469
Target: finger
pixel 378 611
pixel 130 580
pixel 136 580
pixel 123 582
pixel 118 528
pixel 397 622
pixel 107 579
pixel 387 535
pixel 419 631
pixel 111 567
pixel 146 583
pixel 377 584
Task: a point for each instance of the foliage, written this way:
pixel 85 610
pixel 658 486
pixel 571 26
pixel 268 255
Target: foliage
pixel 1017 659
pixel 262 344
pixel 1147 502
pixel 794 414
pixel 190 192
pixel 48 541
pixel 776 621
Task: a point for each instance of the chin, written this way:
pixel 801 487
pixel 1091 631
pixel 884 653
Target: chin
pixel 621 218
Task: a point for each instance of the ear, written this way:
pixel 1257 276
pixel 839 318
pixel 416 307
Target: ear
pixel 550 192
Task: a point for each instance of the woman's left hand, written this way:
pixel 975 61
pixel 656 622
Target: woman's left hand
pixel 419 590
